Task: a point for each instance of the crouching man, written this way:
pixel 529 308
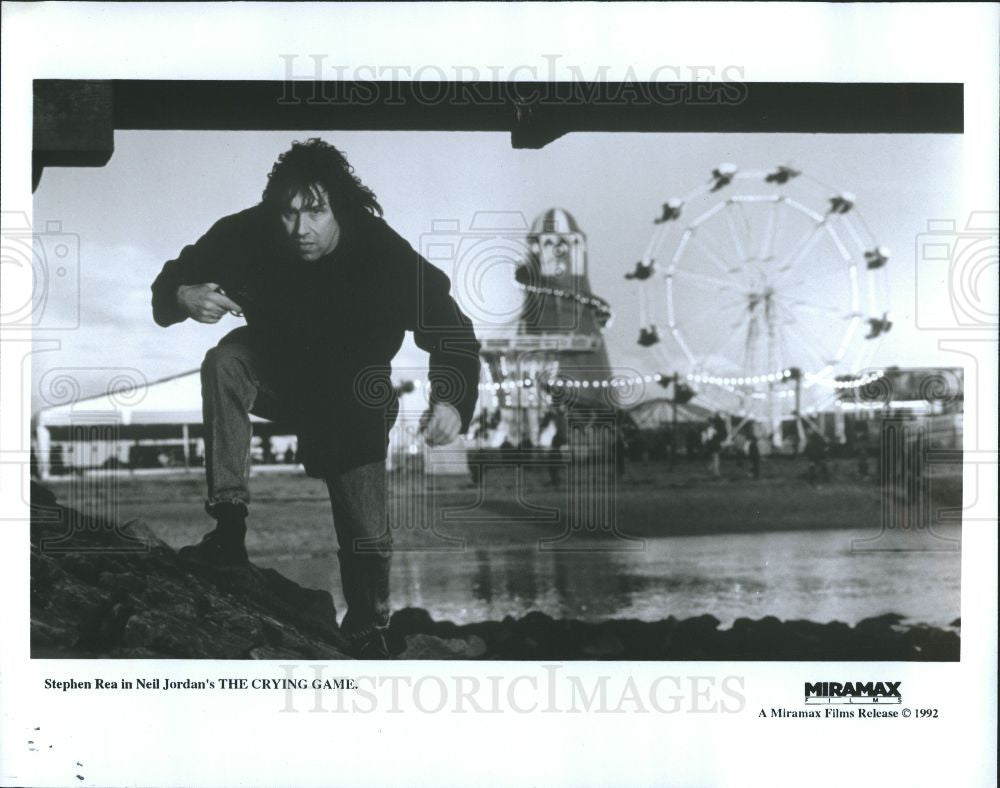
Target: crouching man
pixel 328 290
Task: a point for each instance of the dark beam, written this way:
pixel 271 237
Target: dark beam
pixel 73 124
pixel 75 119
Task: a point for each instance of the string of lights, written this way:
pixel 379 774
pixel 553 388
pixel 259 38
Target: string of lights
pixel 603 307
pixel 864 380
pixel 633 380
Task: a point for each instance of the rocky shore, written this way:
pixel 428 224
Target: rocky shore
pixel 100 590
pixel 537 636
pixel 106 591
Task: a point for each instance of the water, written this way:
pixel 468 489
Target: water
pixel 811 575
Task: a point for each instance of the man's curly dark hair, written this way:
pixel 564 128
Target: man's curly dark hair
pixel 313 162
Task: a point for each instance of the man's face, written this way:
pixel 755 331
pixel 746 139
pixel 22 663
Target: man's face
pixel 310 225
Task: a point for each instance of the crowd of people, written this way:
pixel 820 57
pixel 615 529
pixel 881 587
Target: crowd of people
pixel 719 440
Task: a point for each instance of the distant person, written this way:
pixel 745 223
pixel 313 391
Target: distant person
pixel 740 448
pixel 754 454
pixel 556 454
pixel 719 424
pixel 861 450
pixel 621 447
pixel 267 452
pixel 482 429
pixel 713 445
pixel 816 454
pixel 328 290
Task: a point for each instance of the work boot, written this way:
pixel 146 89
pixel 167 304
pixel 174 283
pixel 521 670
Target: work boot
pixel 369 644
pixel 224 546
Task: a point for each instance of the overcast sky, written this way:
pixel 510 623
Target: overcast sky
pixel 162 190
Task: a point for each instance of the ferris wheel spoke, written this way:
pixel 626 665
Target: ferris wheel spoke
pixel 745 253
pixel 705 280
pixel 763 350
pixel 786 356
pixel 790 318
pixel 814 348
pixel 710 322
pixel 711 253
pixel 768 236
pixel 757 258
pixel 697 329
pixel 771 231
pixel 788 301
pixel 835 237
pixel 660 349
pixel 733 303
pixel 799 244
pixel 735 332
pixel 685 349
pixel 788 265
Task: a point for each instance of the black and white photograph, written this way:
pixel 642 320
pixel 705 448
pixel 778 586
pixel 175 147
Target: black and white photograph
pixel 431 395
pixel 352 372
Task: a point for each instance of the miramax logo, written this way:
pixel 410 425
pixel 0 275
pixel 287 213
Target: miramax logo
pixel 853 692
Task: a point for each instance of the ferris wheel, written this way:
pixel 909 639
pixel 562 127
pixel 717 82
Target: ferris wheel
pixel 767 290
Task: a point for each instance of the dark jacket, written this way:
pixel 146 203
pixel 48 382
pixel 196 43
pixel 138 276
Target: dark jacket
pixel 329 329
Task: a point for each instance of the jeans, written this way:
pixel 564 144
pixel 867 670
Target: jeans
pixel 234 384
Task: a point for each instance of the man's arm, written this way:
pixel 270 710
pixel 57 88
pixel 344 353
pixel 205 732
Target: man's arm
pixel 187 286
pixel 441 328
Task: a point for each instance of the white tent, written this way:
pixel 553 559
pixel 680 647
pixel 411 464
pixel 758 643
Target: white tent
pixel 167 412
pixel 98 428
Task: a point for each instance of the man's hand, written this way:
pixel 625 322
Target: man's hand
pixel 206 303
pixel 440 424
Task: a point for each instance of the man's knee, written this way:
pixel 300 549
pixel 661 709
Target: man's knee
pixel 226 362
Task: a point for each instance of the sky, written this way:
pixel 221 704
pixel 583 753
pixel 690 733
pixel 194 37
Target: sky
pixel 162 190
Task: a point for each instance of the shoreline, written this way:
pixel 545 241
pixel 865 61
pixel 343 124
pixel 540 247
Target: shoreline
pixel 92 598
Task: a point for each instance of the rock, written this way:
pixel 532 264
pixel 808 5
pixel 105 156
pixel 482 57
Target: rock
pixel 99 589
pixel 493 633
pixel 932 644
pixel 882 622
pixel 411 620
pixel 606 645
pixel 408 621
pixel 696 638
pixel 430 647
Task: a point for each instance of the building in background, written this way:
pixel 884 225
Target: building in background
pixel 552 369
